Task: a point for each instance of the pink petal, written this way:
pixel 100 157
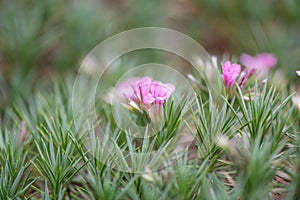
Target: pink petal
pixel 259 62
pixel 161 92
pixel 267 60
pixel 246 60
pixel 144 90
pixel 230 72
pixel 132 87
pixel 148 99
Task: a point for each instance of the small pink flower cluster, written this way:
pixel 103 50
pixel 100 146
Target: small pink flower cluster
pixel 258 64
pixel 144 90
pixel 230 72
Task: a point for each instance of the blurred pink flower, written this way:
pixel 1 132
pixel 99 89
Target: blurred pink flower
pixel 145 90
pixel 258 63
pixel 298 72
pixel 133 88
pixel 230 72
pixel 161 92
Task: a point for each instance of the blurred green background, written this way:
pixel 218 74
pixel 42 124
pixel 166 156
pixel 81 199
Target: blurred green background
pixel 40 40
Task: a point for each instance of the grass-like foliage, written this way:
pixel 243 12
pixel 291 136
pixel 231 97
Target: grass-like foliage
pixel 234 138
pixel 245 146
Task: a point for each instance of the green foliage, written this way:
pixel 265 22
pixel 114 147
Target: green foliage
pixel 15 171
pixel 244 148
pixel 246 142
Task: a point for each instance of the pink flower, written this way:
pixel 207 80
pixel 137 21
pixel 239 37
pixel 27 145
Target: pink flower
pixel 144 90
pixel 260 63
pixel 161 92
pixel 133 88
pixel 230 72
